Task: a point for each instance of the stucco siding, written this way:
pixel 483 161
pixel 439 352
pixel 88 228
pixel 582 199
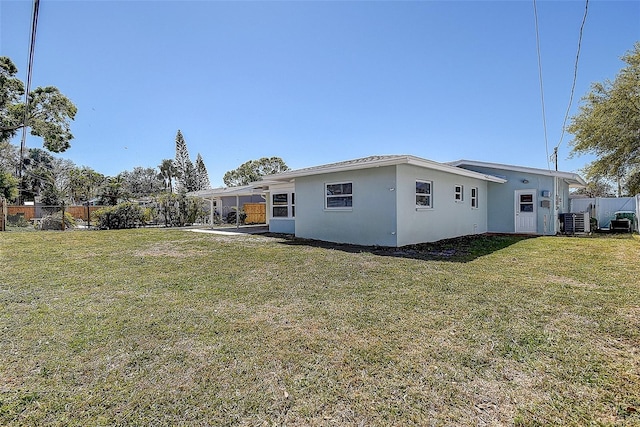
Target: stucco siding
pixel 448 217
pixel 281 224
pixel 371 219
pixel 286 226
pixel 502 204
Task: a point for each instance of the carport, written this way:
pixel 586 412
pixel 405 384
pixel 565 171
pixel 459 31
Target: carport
pixel 215 197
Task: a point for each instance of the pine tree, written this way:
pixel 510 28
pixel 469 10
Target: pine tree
pixel 185 171
pixel 202 176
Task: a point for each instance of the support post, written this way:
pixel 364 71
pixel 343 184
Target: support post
pixel 237 211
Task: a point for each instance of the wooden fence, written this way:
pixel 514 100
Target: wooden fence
pixel 33 212
pixel 256 213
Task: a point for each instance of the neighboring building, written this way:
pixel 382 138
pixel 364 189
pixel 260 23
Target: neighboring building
pixel 400 200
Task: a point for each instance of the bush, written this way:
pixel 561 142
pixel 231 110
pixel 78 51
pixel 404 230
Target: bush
pixel 17 221
pixel 54 221
pixel 123 215
pixel 231 217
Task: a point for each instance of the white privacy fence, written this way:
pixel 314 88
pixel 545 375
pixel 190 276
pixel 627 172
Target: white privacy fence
pixel 604 208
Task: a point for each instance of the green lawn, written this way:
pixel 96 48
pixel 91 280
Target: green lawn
pixel 169 327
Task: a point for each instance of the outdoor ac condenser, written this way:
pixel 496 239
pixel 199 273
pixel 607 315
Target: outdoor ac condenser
pixel 576 223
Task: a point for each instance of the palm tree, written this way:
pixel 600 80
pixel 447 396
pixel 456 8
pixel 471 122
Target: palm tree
pixel 168 173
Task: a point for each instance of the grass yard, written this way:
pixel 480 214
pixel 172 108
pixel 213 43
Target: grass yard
pixel 170 327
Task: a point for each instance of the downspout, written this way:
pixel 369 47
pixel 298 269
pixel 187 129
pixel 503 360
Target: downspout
pixel 237 211
pixel 267 208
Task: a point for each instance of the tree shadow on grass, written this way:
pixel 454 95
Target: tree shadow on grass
pixel 459 249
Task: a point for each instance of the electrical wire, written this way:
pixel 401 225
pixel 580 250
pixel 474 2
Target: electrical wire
pixel 575 73
pixel 544 116
pixel 32 48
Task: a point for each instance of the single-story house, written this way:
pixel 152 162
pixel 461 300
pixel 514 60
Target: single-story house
pixel 399 200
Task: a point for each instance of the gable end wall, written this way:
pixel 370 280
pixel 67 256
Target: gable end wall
pixel 371 220
pixel 448 218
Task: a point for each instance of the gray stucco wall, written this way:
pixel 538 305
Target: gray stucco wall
pixel 448 217
pixel 501 200
pixel 370 221
pixel 286 226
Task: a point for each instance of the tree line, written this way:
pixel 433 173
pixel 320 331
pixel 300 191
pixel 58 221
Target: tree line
pixel 56 181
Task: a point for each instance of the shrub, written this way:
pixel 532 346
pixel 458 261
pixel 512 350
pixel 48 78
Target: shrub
pixel 54 221
pixel 149 214
pixel 231 217
pixel 123 215
pixel 17 220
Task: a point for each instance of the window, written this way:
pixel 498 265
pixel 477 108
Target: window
pixel 281 206
pixel 423 194
pixel 526 203
pixel 339 196
pixel 474 197
pixel 458 193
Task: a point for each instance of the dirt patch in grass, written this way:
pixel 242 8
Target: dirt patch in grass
pixel 164 249
pixel 568 281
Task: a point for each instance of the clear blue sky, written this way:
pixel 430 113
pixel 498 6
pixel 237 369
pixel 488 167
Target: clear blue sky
pixel 316 82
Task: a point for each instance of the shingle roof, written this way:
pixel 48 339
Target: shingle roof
pixel 379 161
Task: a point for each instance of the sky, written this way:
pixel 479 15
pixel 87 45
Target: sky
pixel 317 82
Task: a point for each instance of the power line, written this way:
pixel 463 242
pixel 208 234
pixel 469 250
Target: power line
pixel 32 48
pixel 575 74
pixel 544 116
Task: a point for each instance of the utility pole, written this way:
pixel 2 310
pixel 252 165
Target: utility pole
pixel 555 157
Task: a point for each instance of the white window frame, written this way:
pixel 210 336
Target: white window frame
pixel 289 205
pixel 292 205
pixel 429 195
pixel 458 193
pixel 330 196
pixel 474 197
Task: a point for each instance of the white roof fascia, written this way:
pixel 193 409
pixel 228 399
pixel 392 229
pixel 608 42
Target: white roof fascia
pixel 430 164
pixel 243 190
pixel 381 162
pixel 569 177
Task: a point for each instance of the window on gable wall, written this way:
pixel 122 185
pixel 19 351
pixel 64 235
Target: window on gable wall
pixel 458 193
pixel 424 194
pixel 474 197
pixel 339 196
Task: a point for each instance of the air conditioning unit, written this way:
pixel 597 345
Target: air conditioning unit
pixel 576 222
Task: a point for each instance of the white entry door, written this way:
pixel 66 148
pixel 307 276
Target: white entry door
pixel 526 217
